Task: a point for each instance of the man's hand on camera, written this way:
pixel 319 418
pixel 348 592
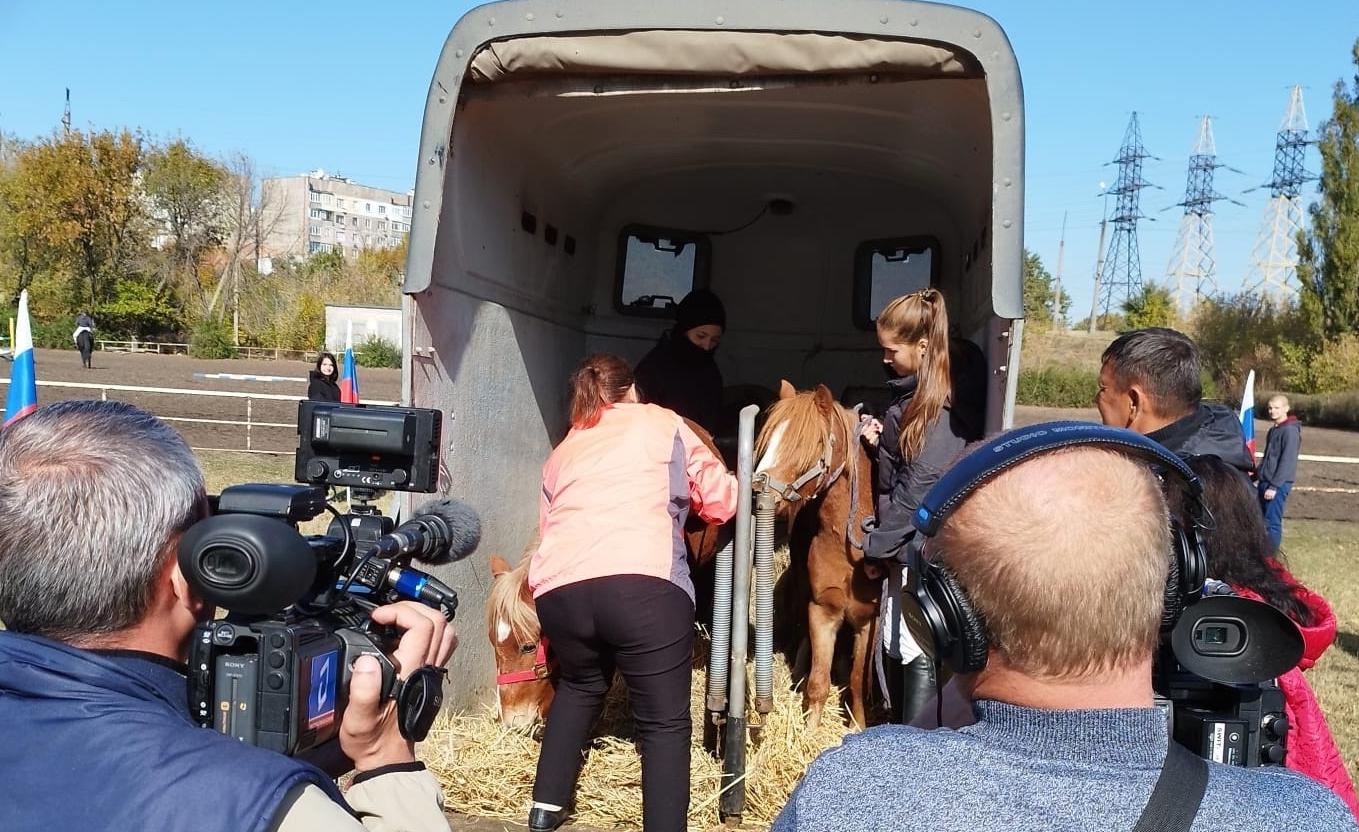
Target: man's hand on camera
pixel 369 734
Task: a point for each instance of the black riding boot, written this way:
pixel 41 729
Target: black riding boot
pixel 916 689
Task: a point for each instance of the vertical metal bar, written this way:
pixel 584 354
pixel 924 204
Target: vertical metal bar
pixel 248 413
pixel 733 801
pixel 764 601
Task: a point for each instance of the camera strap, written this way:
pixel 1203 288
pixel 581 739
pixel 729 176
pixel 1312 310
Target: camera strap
pixel 1178 792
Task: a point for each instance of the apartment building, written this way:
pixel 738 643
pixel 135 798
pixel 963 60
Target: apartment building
pixel 319 211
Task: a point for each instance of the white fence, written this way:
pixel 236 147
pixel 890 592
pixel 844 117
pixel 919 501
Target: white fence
pixel 249 422
pixel 176 348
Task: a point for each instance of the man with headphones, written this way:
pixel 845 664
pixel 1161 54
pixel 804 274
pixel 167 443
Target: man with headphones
pixel 1048 569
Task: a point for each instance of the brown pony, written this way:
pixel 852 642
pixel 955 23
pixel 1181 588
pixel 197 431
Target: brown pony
pixel 809 452
pixel 524 672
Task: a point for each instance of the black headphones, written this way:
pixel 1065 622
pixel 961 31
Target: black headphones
pixel 938 613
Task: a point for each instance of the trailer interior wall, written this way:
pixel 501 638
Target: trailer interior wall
pixel 502 314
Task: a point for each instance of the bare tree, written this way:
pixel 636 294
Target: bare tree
pixel 253 212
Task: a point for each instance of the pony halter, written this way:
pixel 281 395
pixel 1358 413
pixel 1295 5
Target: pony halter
pixel 821 471
pixel 542 669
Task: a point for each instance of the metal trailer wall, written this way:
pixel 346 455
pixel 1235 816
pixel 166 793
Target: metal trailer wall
pixel 494 328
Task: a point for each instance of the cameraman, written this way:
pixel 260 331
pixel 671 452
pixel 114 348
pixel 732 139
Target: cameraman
pixel 1067 736
pixel 94 497
pixel 1150 381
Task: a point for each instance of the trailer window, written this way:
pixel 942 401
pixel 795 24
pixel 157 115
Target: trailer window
pixel 885 269
pixel 657 267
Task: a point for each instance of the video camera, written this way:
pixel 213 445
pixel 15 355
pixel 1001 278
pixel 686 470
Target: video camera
pixel 275 672
pixel 1216 678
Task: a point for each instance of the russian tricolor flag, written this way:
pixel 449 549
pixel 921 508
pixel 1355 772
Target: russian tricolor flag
pixel 349 376
pixel 1247 413
pixel 23 380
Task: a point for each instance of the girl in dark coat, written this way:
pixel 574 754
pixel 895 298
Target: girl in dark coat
pixel 324 384
pixel 679 373
pixel 918 439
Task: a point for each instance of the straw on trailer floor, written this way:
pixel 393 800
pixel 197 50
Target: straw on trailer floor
pixel 487 770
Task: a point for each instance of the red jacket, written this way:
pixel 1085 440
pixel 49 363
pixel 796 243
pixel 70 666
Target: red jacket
pixel 1311 748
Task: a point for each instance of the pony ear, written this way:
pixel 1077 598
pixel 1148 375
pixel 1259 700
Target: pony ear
pixel 499 566
pixel 786 390
pixel 823 397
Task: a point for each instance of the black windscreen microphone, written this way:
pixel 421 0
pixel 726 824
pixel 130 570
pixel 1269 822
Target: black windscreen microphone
pixel 442 531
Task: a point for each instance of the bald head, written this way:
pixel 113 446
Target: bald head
pixel 1065 558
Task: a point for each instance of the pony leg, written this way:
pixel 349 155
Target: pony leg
pixel 859 675
pixel 823 623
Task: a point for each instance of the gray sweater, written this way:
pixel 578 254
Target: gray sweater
pixel 1022 769
pixel 1280 463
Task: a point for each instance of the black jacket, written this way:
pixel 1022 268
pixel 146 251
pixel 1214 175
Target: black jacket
pixel 1212 430
pixel 901 483
pixel 684 378
pixel 1280 464
pixel 322 389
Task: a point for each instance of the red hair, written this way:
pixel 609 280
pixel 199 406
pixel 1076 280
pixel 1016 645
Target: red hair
pixel 599 381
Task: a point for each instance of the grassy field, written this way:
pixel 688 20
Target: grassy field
pixel 1322 553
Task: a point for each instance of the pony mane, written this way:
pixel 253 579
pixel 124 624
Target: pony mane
pixel 804 430
pixel 506 603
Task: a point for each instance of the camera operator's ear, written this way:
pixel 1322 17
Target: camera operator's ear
pixel 183 592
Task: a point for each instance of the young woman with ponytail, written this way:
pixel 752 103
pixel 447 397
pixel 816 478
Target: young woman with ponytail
pixel 918 439
pixel 612 585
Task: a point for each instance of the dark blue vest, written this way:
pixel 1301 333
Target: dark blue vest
pixel 95 741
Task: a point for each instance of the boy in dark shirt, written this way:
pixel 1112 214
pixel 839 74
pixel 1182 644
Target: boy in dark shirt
pixel 1279 467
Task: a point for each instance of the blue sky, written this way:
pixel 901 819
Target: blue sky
pixel 341 85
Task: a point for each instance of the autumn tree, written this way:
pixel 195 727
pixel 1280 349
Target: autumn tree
pixel 73 199
pixel 187 193
pixel 1153 305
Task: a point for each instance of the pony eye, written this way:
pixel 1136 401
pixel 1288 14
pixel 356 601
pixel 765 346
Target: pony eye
pixel 528 648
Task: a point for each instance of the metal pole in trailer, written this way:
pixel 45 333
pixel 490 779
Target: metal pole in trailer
pixel 732 803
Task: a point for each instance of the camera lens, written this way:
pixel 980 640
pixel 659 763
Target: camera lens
pixel 1214 635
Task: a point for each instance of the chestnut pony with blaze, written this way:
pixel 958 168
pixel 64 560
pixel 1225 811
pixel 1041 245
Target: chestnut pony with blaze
pixel 810 453
pixel 523 660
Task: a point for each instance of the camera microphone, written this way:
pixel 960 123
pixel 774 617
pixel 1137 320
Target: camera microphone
pixel 442 531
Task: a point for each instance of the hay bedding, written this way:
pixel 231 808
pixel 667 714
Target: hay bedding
pixel 487 770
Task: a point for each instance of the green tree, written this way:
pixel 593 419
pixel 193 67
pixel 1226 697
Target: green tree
pixel 1152 306
pixel 1328 256
pixel 188 198
pixel 1039 294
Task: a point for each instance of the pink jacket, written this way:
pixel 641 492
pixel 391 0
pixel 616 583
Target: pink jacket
pixel 616 495
pixel 1311 748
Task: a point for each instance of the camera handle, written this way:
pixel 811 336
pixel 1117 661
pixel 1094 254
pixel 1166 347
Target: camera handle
pixel 418 697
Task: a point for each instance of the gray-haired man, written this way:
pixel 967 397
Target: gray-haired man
pixel 94 497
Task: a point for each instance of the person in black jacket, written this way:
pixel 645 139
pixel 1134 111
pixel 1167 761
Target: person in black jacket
pixel 324 381
pixel 1279 466
pixel 679 373
pixel 1149 381
pixel 918 439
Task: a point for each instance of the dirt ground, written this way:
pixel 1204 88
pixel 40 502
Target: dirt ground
pixel 1324 490
pixel 177 371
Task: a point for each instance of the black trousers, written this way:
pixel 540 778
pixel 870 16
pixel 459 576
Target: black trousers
pixel 644 628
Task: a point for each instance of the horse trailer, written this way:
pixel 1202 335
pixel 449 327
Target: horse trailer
pixel 585 163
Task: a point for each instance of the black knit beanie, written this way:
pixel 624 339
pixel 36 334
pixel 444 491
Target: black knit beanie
pixel 699 307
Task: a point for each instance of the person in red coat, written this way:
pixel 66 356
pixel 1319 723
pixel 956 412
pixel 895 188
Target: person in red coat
pixel 1238 549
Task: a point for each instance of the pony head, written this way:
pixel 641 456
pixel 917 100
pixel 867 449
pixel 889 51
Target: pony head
pixel 524 689
pixel 805 444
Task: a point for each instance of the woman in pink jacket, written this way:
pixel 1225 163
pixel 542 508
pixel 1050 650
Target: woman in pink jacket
pixel 612 585
pixel 1239 555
